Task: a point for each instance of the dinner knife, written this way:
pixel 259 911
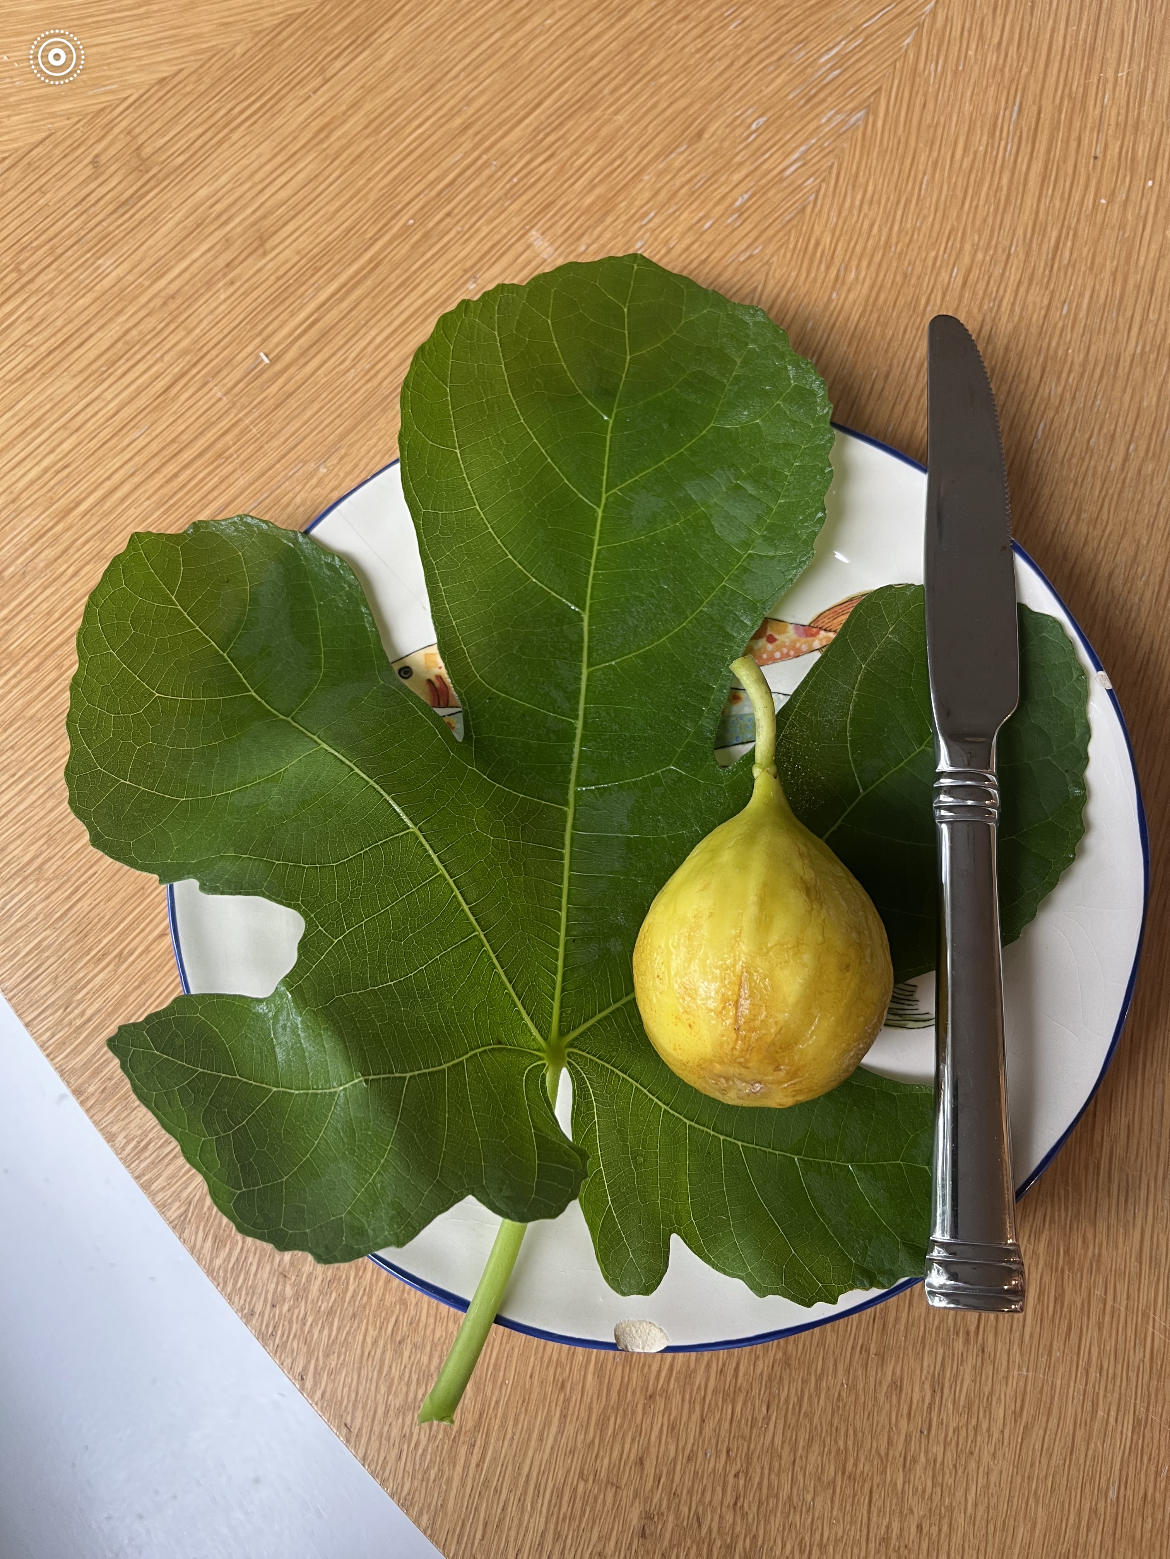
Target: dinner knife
pixel 973 1259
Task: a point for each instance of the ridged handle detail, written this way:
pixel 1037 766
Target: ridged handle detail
pixel 973 1258
pixel 966 796
pixel 966 1276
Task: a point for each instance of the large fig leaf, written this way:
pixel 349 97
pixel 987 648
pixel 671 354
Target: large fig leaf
pixel 856 754
pixel 614 473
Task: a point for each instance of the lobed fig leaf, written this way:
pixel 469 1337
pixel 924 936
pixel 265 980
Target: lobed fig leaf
pixel 614 474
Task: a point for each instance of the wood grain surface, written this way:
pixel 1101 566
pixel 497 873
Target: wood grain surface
pixel 214 274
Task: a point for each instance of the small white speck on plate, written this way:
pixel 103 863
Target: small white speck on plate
pixel 640 1337
pixel 1102 678
pixel 840 556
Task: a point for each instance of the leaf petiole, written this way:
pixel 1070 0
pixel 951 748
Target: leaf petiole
pixel 444 1396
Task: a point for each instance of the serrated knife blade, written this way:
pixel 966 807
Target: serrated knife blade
pixel 973 1258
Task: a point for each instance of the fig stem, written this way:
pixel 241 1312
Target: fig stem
pixel 445 1395
pixel 764 710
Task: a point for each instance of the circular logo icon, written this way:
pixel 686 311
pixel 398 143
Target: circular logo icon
pixel 56 57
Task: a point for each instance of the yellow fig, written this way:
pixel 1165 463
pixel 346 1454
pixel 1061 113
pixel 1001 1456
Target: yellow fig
pixel 762 970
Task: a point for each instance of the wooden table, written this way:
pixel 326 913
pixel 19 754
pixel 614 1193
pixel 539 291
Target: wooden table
pixel 221 243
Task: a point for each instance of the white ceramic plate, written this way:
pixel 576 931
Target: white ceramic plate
pixel 1067 980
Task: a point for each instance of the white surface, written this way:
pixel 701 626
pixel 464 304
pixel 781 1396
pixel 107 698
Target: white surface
pixel 385 559
pixel 1064 980
pixel 139 1418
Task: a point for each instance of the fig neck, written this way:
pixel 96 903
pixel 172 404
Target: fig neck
pixel 767 790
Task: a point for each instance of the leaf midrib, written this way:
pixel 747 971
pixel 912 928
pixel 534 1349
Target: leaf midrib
pixel 571 806
pixel 363 1077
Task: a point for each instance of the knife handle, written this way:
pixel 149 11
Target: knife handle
pixel 973 1261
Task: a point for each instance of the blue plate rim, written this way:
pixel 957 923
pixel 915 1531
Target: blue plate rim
pixel 456 1302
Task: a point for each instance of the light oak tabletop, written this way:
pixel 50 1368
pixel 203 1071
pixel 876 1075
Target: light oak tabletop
pixel 222 241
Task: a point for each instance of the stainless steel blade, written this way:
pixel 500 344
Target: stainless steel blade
pixel 970 581
pixel 973 1260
